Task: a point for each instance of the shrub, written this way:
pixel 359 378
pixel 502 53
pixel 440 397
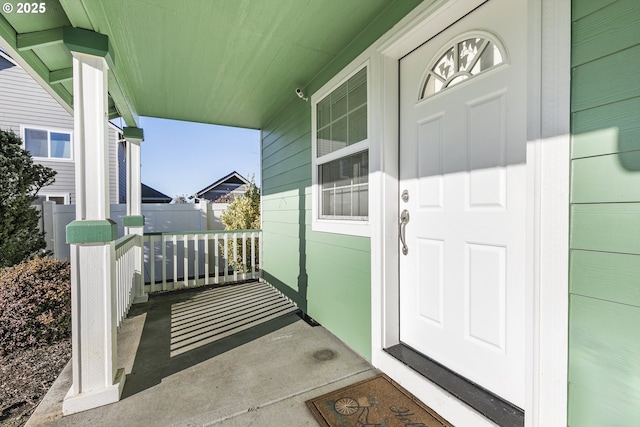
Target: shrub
pixel 20 181
pixel 35 304
pixel 242 214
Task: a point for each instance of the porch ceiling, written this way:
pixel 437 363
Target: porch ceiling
pixel 226 62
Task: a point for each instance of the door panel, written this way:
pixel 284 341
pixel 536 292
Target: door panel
pixel 462 161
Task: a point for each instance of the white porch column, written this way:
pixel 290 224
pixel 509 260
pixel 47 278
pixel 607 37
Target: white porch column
pixel 134 221
pixel 96 381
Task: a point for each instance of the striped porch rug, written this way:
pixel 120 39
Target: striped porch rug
pixel 219 312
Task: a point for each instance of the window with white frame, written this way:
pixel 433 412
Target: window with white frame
pixel 58 198
pixel 341 156
pixel 45 143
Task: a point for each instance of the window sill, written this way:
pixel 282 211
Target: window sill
pixel 52 159
pixel 346 227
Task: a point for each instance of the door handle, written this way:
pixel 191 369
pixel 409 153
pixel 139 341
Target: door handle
pixel 404 219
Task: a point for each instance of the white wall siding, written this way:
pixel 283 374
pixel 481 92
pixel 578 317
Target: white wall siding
pixel 24 103
pixel 64 182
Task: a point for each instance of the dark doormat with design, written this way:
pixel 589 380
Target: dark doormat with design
pixel 377 401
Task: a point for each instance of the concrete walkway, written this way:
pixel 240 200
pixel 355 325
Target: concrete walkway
pixel 230 356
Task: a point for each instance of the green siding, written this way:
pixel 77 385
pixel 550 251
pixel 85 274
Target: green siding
pixel 609 178
pixel 607 227
pixel 583 8
pixel 604 313
pixel 606 80
pixel 591 274
pixel 327 275
pixel 593 40
pixel 608 129
pixel 605 363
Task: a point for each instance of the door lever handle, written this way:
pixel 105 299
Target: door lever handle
pixel 404 219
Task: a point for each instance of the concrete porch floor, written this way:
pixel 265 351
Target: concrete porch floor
pixel 231 356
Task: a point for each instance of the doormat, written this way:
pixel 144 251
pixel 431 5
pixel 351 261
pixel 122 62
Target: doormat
pixel 377 401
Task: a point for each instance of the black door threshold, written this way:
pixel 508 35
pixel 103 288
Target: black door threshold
pixel 488 404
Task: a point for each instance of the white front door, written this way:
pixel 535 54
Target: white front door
pixel 462 164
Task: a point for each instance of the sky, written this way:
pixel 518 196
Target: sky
pixel 181 158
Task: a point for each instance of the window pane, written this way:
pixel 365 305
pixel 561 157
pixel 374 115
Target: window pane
pixel 341 117
pixel 489 58
pixel 358 125
pixel 339 102
pixel 363 201
pixel 323 112
pixel 324 141
pixel 60 145
pixel 358 90
pixel 58 199
pixel 339 130
pixel 35 142
pixel 468 49
pixel 344 185
pixel 445 66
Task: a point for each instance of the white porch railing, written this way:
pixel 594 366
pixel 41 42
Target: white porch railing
pixel 188 259
pixel 123 251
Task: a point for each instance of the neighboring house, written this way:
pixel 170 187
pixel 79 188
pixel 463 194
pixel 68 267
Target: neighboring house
pixel 225 189
pixel 459 183
pixel 151 195
pixel 46 129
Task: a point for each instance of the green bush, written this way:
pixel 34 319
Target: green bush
pixel 242 214
pixel 20 181
pixel 35 304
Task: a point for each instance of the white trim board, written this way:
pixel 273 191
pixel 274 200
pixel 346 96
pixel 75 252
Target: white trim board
pixel 547 205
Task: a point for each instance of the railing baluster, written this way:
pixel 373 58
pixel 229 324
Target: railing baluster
pixel 163 245
pixel 206 259
pixel 196 264
pixel 130 279
pixel 119 290
pixel 124 267
pixel 216 259
pixel 152 263
pixel 259 261
pixel 244 255
pixel 253 255
pixel 185 260
pixel 127 273
pixel 235 256
pixel 174 241
pixel 226 256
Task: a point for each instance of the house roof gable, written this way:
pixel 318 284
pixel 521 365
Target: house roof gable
pixel 234 177
pixel 149 193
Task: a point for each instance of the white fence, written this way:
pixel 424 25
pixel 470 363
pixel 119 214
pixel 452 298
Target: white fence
pixel 159 218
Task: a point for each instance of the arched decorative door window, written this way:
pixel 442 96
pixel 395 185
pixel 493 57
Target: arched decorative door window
pixel 467 56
